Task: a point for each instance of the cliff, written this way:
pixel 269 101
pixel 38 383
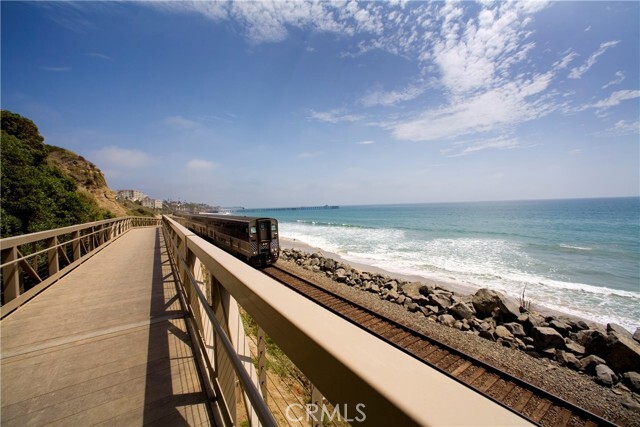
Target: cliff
pixel 88 177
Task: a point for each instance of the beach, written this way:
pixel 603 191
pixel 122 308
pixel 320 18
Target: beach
pixel 462 289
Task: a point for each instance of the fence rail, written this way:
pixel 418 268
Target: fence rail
pixel 33 262
pixel 353 369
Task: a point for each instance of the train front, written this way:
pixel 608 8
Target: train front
pixel 264 241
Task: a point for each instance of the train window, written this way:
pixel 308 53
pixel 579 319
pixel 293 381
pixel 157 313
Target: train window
pixel 262 226
pixel 273 227
pixel 253 229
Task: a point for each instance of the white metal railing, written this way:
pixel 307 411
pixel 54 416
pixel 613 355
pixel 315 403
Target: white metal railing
pixel 33 262
pixel 357 372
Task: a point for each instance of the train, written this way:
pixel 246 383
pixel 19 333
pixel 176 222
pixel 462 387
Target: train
pixel 252 239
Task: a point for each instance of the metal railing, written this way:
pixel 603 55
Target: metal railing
pixel 356 372
pixel 33 262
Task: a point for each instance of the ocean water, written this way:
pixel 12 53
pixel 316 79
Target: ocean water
pixel 581 257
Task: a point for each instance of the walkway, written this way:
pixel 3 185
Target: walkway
pixel 106 345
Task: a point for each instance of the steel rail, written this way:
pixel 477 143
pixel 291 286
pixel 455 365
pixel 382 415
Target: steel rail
pixel 537 391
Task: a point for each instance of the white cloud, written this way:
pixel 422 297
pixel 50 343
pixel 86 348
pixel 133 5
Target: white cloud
pixel 268 21
pixel 380 97
pixel 334 116
pixel 614 99
pixel 474 53
pixel 619 79
pixel 310 154
pixel 369 142
pixel 624 127
pixel 55 69
pixel 97 55
pixel 199 164
pixel 115 157
pixel 488 111
pixel 578 72
pixel 564 62
pixel 181 123
pixel 501 143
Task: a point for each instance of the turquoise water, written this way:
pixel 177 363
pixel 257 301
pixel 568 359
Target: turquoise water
pixel 581 257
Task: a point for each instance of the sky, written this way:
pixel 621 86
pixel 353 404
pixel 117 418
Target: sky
pixel 274 104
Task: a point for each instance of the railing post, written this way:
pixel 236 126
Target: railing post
pixel 317 400
pixel 10 274
pixel 52 255
pixel 76 245
pixel 262 362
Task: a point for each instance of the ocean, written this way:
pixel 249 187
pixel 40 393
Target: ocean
pixel 580 257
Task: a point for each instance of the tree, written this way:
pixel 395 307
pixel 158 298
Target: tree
pixel 35 196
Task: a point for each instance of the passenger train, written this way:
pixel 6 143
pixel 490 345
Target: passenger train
pixel 252 239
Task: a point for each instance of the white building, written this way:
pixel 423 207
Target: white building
pixel 133 195
pixel 151 203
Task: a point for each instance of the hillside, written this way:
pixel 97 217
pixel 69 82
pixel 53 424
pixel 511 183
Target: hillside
pixel 87 176
pixel 44 187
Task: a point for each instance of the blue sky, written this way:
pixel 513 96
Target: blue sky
pixel 282 104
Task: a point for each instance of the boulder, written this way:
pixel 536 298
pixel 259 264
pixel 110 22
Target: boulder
pixel 340 275
pixel 593 341
pixel 440 300
pixel 636 335
pixel 432 309
pixel 574 347
pixel 561 327
pixel 582 325
pixel 485 330
pixel 622 353
pixel 504 333
pixel 412 290
pixel 620 330
pixel 605 375
pixel 462 311
pixel 488 302
pixel 544 337
pixel 413 307
pixel 589 363
pixel 447 319
pixel 568 359
pixel 401 299
pixel 632 380
pixel 530 321
pixel 515 328
pixel 393 295
pixel 392 285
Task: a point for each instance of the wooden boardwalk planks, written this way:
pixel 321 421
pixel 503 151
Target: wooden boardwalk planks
pixel 106 345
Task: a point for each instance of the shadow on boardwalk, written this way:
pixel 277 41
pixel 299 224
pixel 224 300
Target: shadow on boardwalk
pixel 106 345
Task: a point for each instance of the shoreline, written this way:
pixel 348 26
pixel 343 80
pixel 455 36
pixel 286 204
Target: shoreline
pixel 459 288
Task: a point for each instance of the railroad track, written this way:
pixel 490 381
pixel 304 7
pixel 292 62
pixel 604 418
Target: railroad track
pixel 527 400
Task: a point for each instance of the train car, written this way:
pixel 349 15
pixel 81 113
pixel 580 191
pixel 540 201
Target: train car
pixel 252 239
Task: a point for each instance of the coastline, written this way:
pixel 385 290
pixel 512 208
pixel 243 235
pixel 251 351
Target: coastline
pixel 613 402
pixel 459 288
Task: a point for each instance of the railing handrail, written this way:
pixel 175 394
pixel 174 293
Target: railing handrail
pixel 338 357
pixel 257 402
pixel 47 234
pixel 16 267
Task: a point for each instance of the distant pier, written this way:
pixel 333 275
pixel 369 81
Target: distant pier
pixel 301 208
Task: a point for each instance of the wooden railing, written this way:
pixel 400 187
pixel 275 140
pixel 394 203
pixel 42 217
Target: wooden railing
pixel 33 262
pixel 353 369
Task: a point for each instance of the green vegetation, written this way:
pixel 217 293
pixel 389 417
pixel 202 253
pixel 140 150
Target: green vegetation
pixel 35 195
pixel 136 209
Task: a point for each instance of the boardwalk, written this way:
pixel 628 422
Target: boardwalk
pixel 106 345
